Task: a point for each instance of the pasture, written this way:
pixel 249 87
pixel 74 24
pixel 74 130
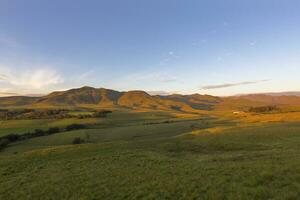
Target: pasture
pixel 155 156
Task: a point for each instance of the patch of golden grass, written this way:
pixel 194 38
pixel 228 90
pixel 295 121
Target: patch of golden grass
pixel 54 149
pixel 214 130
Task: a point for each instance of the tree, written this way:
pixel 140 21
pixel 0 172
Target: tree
pixel 53 130
pixel 78 140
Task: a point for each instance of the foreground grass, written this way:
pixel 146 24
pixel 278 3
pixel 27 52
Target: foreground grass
pixel 164 162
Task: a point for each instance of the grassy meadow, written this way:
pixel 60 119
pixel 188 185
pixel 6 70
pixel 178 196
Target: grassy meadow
pixel 153 156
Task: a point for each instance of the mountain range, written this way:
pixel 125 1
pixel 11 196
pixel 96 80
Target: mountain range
pixel 140 100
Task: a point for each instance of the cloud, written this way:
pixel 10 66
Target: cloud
pixel 3 77
pixel 2 94
pixel 168 80
pixel 28 81
pixel 169 57
pixel 86 75
pixel 35 79
pixel 162 77
pixel 226 85
pixel 162 93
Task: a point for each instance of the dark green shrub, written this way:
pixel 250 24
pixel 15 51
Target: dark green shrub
pixel 39 132
pixel 3 143
pixel 75 127
pixel 263 109
pixel 102 113
pixel 12 137
pixel 53 130
pixel 78 140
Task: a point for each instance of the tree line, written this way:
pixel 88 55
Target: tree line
pixel 47 114
pixel 263 109
pixel 11 138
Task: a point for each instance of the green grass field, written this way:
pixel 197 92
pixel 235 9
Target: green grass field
pixel 140 156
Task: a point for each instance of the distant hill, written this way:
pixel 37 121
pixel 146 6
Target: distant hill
pixel 140 100
pixel 284 94
pixel 272 99
pixel 17 101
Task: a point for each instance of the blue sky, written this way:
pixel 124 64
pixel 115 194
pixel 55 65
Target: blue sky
pixel 218 47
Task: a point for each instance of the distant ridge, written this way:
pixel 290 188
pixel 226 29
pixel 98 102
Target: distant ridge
pixel 273 98
pixel 289 93
pixel 284 94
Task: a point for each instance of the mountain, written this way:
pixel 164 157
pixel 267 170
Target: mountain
pixel 140 100
pixel 79 96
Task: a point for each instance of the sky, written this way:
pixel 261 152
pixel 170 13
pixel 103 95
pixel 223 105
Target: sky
pixel 217 47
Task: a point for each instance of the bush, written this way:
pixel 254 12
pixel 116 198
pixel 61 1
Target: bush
pixel 39 132
pixel 102 113
pixel 53 130
pixel 12 137
pixel 3 143
pixel 78 140
pixel 263 109
pixel 75 127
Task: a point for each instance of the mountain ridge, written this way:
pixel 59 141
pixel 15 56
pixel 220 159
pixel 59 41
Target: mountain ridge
pixel 141 100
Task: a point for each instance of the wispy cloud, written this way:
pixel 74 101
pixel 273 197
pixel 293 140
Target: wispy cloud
pixel 169 57
pixel 86 75
pixel 159 76
pixel 2 94
pixel 226 85
pixel 35 79
pixel 28 80
pixel 168 80
pixel 163 93
pixel 3 77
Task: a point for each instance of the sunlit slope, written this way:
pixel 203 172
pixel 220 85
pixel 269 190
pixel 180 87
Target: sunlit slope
pixel 85 95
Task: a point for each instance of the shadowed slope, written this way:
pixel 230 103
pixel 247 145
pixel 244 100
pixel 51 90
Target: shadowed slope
pixel 196 101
